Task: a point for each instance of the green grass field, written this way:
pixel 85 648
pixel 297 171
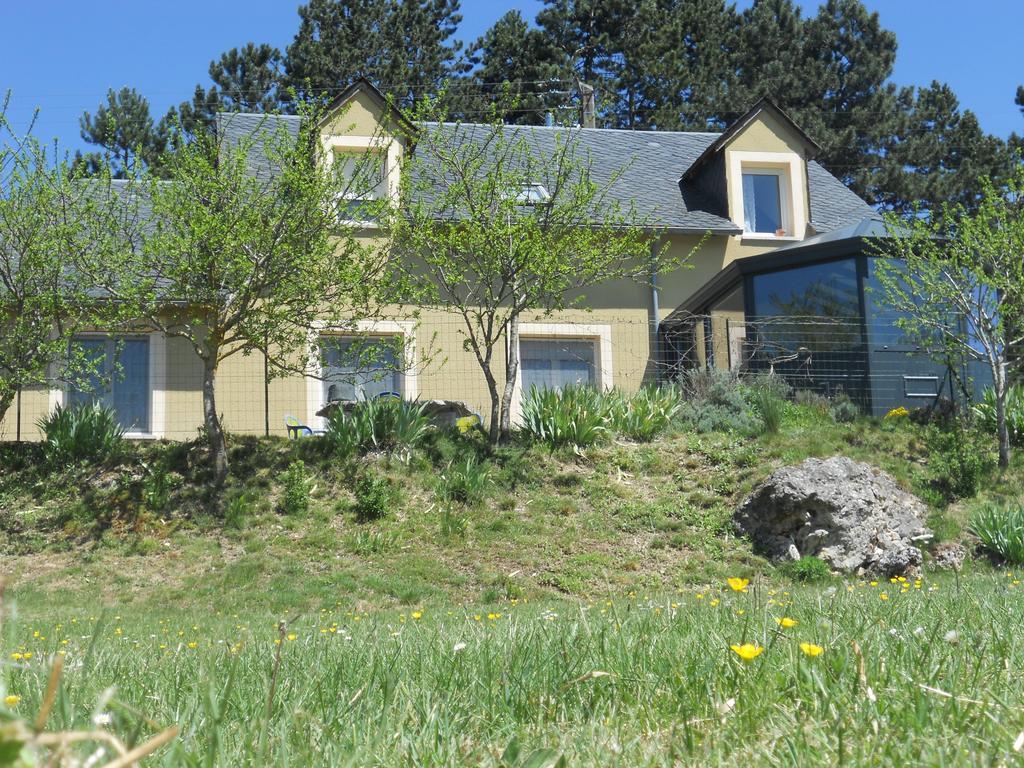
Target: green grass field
pixel 926 673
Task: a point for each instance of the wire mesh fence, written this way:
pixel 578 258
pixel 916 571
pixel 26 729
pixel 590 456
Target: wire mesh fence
pixel 160 394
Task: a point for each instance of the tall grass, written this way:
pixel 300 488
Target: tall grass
pixel 1000 527
pixel 645 414
pixel 985 413
pixel 388 425
pixel 81 433
pixel 572 416
pixel 921 678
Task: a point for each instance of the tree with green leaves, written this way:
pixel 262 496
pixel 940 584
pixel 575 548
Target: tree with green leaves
pixel 243 248
pixel 405 47
pixel 124 130
pixel 48 227
pixel 956 282
pixel 496 223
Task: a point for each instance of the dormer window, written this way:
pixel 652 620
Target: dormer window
pixel 533 194
pixel 765 203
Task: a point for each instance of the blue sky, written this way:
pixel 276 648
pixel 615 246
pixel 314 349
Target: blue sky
pixel 62 55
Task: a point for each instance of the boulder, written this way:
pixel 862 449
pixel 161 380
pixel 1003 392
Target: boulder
pixel 850 514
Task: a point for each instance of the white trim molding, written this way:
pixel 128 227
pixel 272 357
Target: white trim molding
pixel 599 333
pixel 790 166
pixel 314 383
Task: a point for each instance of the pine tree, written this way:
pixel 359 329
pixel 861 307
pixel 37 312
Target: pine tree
pixel 403 46
pixel 124 129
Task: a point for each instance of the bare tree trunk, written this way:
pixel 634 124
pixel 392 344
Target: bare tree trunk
pixel 511 374
pixel 494 427
pixel 6 400
pixel 214 429
pixel 1001 425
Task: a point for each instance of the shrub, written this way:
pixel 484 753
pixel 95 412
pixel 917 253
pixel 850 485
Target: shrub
pixel 716 401
pixel 388 425
pixel 985 413
pixel 374 496
pixel 811 399
pixel 81 433
pixel 958 460
pixel 843 409
pixel 1001 530
pixel 575 416
pixel 809 568
pixel 295 490
pixel 464 482
pixel 771 408
pixel 156 488
pixel 645 414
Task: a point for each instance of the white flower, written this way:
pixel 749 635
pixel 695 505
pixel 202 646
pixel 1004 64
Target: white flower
pixel 101 718
pixel 951 637
pixel 458 647
pixel 919 632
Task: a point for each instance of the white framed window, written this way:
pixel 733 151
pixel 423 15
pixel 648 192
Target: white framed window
pixel 766 195
pixel 765 201
pixel 126 373
pixel 556 355
pixel 365 175
pixel 345 360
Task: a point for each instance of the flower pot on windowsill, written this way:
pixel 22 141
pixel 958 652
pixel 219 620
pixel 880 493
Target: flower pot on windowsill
pixel 780 233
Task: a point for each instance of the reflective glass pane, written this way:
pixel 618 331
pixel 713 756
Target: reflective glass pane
pixel 131 384
pixel 360 369
pixel 762 202
pixel 556 363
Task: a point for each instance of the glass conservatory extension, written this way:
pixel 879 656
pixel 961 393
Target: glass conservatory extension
pixel 815 314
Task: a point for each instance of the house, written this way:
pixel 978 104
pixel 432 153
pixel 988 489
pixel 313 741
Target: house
pixel 782 281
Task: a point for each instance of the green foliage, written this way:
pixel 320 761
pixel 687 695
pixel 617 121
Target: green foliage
pixel 295 489
pixel 573 416
pixel 958 460
pixel 985 413
pixel 81 433
pixel 1000 527
pixel 808 569
pixel 237 510
pixel 770 408
pixel 156 488
pixel 464 482
pixel 366 543
pixel 843 410
pixel 645 414
pixel 388 425
pixel 454 523
pixel 374 495
pixel 716 401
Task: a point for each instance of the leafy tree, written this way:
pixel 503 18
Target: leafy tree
pixel 403 46
pixel 123 127
pixel 494 225
pixel 957 283
pixel 236 261
pixel 45 233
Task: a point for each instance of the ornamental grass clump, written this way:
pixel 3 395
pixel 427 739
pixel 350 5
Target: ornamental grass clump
pixel 573 416
pixel 387 425
pixel 645 414
pixel 1000 527
pixel 985 413
pixel 81 433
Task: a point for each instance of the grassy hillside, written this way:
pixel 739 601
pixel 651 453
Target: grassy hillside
pixel 612 518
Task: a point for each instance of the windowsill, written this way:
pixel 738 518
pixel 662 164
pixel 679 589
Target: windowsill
pixel 764 236
pixel 140 436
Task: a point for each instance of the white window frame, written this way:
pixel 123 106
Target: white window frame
pixel 157 383
pixel 314 381
pixel 390 152
pixel 788 167
pixel 599 334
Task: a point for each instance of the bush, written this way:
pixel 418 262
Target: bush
pixel 464 482
pixel 811 399
pixel 958 459
pixel 645 414
pixel 844 410
pixel 716 401
pixel 388 425
pixel 295 483
pixel 374 496
pixel 1001 530
pixel 81 433
pixel 985 413
pixel 809 568
pixel 575 416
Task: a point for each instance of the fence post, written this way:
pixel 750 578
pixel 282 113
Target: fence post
pixel 728 344
pixel 17 419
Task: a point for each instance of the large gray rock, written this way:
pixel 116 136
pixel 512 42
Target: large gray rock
pixel 850 514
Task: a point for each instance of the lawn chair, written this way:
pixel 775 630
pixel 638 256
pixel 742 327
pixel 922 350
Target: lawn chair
pixel 297 429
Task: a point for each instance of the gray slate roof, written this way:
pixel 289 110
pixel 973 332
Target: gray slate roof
pixel 652 164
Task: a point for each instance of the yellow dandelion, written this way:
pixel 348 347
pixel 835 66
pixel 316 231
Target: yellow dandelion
pixel 11 700
pixel 16 656
pixel 747 651
pixel 812 650
pixel 785 622
pixel 417 614
pixel 738 585
pixel 26 655
pixel 193 645
pixel 883 596
pixel 292 636
pixel 713 602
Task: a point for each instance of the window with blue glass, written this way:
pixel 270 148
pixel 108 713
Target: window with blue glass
pixel 557 363
pixel 764 209
pixel 117 378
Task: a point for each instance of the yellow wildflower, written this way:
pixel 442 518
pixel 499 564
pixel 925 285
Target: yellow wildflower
pixel 747 651
pixel 292 636
pixel 738 585
pixel 812 650
pixel 417 614
pixel 785 622
pixel 12 700
pixel 193 645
